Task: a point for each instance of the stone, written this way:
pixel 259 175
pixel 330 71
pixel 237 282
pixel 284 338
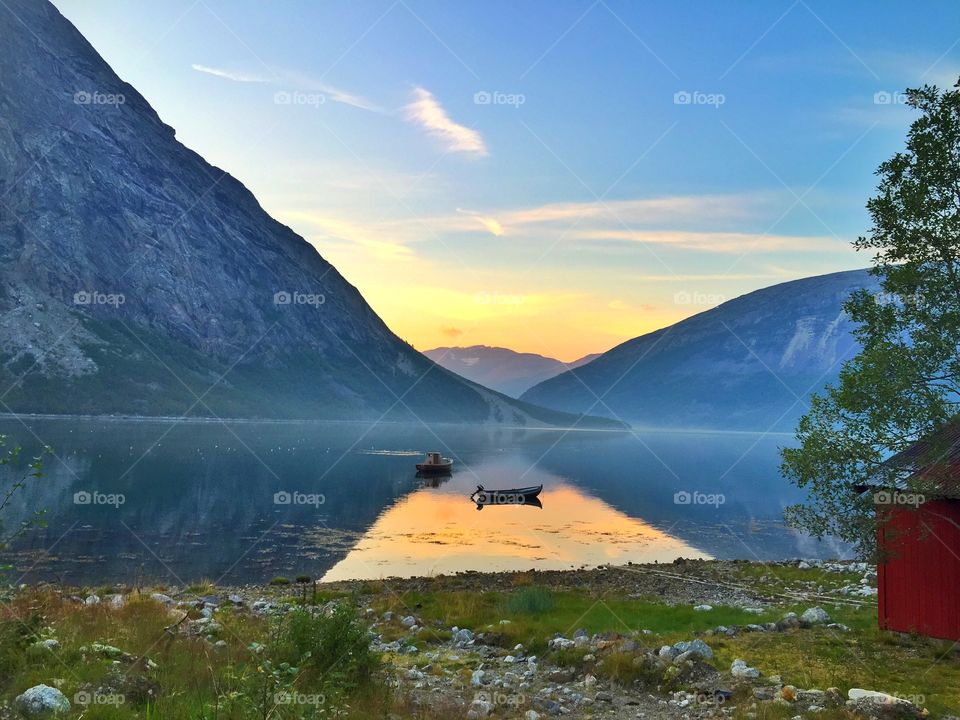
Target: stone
pixel 161 598
pixel 42 701
pixel 603 696
pixel 560 643
pixel 462 637
pixel 740 669
pixel 409 621
pixel 235 599
pixel 697 647
pixel 92 600
pixel 387 616
pixel 116 601
pixel 790 621
pixel 683 657
pixel 220 645
pixel 531 715
pixel 765 693
pixel 477 677
pixel 414 674
pixel 667 653
pixel 49 644
pixel 551 707
pixel 815 616
pixel 703 608
pixel 479 709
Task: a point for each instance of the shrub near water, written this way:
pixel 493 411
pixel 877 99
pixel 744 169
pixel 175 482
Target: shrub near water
pixel 331 647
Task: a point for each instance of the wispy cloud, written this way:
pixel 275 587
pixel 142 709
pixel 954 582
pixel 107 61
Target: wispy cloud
pixel 292 80
pixel 427 112
pixel 231 74
pixel 491 224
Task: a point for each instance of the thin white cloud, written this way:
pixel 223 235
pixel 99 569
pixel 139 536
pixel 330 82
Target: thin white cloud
pixel 491 224
pixel 230 74
pixel 426 111
pixel 292 81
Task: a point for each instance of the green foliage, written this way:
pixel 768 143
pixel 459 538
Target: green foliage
pixel 12 482
pixel 332 644
pixel 904 384
pixel 531 601
pixel 15 637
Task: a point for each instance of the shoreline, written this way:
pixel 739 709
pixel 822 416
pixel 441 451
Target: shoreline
pixel 724 639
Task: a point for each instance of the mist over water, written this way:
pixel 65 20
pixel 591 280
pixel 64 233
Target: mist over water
pixel 246 502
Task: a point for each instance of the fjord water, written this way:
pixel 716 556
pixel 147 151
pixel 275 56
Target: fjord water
pixel 244 502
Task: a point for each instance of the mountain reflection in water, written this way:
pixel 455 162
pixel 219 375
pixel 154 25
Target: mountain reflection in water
pixel 249 501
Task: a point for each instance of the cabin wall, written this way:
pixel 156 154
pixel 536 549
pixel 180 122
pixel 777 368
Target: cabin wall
pixel 918 578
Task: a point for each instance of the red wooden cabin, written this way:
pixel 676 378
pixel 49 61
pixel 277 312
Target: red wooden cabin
pixel 918 536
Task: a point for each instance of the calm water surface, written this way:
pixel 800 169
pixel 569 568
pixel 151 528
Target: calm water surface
pixel 180 502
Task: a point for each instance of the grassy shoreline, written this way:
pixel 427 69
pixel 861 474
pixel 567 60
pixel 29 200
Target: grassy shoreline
pixel 396 648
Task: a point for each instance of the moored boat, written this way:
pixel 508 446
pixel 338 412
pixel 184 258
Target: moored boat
pixel 512 496
pixel 435 464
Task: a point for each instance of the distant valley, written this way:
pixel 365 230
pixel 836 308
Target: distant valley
pixel 507 371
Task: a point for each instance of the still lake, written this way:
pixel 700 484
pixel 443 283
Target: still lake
pixel 244 502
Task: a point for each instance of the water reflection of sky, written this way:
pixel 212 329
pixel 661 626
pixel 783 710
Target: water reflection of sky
pixel 199 500
pixel 438 531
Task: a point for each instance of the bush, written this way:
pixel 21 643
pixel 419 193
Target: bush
pixel 333 644
pixel 531 601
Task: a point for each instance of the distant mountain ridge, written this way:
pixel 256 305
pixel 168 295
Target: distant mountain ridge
pixel 749 364
pixel 502 369
pixel 136 278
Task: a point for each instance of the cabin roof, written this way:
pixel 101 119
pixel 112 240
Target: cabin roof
pixel 931 465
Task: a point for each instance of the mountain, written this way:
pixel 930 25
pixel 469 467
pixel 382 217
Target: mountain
pixel 137 278
pixel 749 364
pixel 501 369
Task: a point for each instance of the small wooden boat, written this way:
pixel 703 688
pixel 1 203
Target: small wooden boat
pixel 514 496
pixel 435 464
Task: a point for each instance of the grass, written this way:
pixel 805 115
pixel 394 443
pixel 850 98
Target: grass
pixel 928 670
pixel 323 660
pixel 193 680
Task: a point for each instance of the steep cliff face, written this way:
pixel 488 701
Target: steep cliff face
pixel 750 363
pixel 138 278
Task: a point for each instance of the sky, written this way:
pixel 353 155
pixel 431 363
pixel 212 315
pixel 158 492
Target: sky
pixel 555 177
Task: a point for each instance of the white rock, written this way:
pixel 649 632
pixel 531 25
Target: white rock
pixel 42 700
pixel 703 608
pixel 740 669
pixel 92 600
pixel 696 647
pixel 161 598
pixel 409 621
pixel 876 696
pixel 815 616
pixel 476 679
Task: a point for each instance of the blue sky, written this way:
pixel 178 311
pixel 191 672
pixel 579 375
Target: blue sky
pixel 530 174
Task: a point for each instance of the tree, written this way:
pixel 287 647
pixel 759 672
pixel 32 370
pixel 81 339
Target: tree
pixel 905 382
pixel 13 479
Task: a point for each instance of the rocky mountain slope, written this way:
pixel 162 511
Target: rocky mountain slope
pixel 137 278
pixel 750 363
pixel 501 369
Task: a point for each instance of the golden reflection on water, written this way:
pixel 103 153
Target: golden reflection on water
pixel 438 530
